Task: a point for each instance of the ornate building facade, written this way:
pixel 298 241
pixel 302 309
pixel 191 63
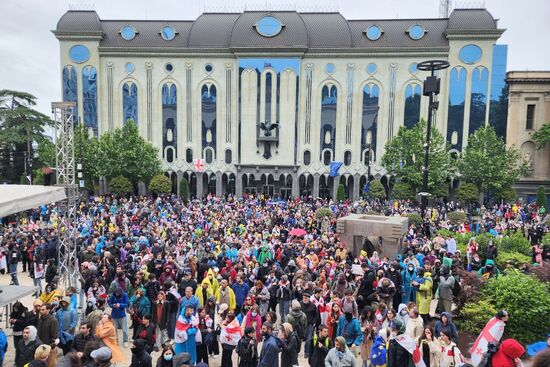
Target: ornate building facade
pixel 529 109
pixel 264 101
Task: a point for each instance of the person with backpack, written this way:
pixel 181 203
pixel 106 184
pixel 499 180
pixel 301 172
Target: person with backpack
pixel 247 349
pixel 298 319
pixel 450 354
pixel 321 343
pixel 289 345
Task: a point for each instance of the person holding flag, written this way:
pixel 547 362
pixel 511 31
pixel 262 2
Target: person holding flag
pixel 402 350
pixel 491 333
pixel 186 333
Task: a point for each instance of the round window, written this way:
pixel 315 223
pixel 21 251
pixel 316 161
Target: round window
pixel 130 67
pixel 470 54
pixel 374 32
pixel 330 68
pixel 416 32
pixel 169 67
pixel 371 68
pixel 79 53
pixel 168 33
pixel 412 68
pixel 269 26
pixel 128 32
pixel 208 68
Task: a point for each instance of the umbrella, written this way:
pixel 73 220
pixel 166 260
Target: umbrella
pixel 299 232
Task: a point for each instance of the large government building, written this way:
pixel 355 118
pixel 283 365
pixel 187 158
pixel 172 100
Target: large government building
pixel 263 101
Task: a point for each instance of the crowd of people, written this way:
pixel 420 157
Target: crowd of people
pixel 197 283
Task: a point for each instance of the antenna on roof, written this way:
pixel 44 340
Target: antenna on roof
pixel 81 6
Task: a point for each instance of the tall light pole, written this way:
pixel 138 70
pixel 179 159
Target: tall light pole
pixel 431 89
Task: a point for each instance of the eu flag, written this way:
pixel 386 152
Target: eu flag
pixel 334 168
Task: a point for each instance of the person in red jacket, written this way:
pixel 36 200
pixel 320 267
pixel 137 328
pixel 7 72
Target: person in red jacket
pixel 508 355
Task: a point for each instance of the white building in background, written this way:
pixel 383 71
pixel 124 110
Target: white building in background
pixel 266 100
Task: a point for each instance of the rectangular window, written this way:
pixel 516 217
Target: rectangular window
pixel 530 120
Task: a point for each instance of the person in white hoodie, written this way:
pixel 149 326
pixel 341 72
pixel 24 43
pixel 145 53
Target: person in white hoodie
pixel 340 355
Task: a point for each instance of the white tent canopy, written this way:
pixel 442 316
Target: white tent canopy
pixel 17 198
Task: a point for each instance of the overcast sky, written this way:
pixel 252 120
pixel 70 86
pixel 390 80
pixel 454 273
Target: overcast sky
pixel 29 52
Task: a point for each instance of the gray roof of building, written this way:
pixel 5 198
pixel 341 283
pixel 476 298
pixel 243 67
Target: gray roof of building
pixel 300 30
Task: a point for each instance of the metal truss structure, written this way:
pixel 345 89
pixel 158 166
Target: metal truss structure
pixel 66 177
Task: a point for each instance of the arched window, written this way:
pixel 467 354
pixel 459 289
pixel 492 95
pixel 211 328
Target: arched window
pixel 169 116
pixel 228 156
pixel 329 111
pixel 130 102
pixel 307 157
pixel 412 105
pixel 209 155
pixel 268 87
pixel 169 154
pixel 208 112
pixel 327 157
pixel 369 118
pixel 70 88
pixel 478 99
pixel 89 101
pixel 189 155
pixel 457 93
pixel 347 158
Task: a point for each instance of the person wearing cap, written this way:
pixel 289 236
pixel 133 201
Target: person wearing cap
pixel 350 328
pixel 313 319
pixel 67 319
pixel 102 356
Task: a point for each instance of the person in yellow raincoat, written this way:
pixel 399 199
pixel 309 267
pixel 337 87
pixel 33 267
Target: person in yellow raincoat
pixel 424 294
pixel 204 292
pixel 211 281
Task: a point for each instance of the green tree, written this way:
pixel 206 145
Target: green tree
pixel 541 197
pixel 46 152
pixel 120 185
pixel 542 135
pixel 160 184
pixel 184 189
pixel 467 193
pixel 488 163
pixel 506 194
pixel 341 193
pixel 376 190
pixel 404 156
pixel 403 191
pixel 20 126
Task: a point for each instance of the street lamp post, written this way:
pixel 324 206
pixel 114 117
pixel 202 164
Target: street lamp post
pixel 431 89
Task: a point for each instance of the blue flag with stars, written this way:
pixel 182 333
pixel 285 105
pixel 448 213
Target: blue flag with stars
pixel 334 168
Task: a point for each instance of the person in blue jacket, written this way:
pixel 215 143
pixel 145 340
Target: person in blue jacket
pixel 409 291
pixel 269 356
pixel 3 346
pixel 118 302
pixel 349 327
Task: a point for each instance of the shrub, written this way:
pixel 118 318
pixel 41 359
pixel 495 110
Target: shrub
pixel 470 292
pixel 38 177
pixel 415 218
pixel 541 197
pixel 184 189
pixel 515 242
pixel 475 316
pixel 403 191
pixel 376 190
pixel 526 299
pixel 323 212
pixel 160 184
pixel 515 258
pixel 542 272
pixel 340 193
pixel 457 217
pixel 467 193
pixel 120 185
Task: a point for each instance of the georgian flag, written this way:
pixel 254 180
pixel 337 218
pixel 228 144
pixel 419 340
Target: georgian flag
pixel 231 334
pixel 491 333
pixel 409 344
pixel 322 307
pixel 182 326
